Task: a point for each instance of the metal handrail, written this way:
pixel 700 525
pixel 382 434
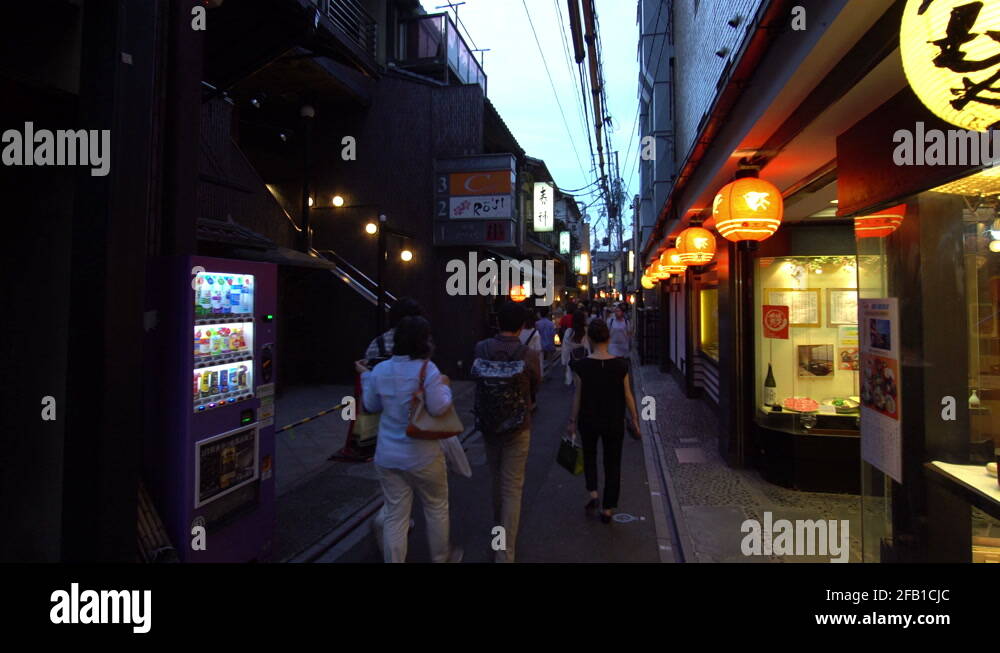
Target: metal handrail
pixel 354 21
pixel 355 278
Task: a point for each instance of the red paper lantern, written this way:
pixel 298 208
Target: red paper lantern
pixel 672 259
pixel 695 246
pixel 879 224
pixel 749 208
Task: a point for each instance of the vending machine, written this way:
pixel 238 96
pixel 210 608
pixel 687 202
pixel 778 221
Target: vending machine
pixel 209 445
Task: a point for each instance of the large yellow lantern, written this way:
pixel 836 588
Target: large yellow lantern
pixel 648 283
pixel 952 60
pixel 748 209
pixel 695 246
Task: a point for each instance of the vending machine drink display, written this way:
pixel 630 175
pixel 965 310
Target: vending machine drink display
pixel 210 455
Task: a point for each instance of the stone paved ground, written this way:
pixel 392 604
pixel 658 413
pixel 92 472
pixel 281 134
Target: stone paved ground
pixel 715 499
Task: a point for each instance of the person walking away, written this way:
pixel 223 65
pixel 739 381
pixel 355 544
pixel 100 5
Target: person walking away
pixel 621 333
pixel 408 466
pixel 530 338
pixel 576 345
pixel 547 331
pixel 603 392
pixel 380 348
pixel 566 323
pixel 507 375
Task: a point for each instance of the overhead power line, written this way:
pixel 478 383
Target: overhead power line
pixel 553 86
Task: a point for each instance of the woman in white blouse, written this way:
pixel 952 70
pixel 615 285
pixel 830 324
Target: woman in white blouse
pixel 407 466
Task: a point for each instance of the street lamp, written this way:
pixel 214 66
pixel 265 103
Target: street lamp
pixel 406 255
pixel 338 201
pixel 371 228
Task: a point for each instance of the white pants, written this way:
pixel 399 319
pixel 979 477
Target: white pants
pixel 392 523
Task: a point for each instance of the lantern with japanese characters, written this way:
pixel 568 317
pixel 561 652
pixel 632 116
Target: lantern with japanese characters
pixel 748 209
pixel 879 224
pixel 951 57
pixel 648 282
pixel 672 259
pixel 695 246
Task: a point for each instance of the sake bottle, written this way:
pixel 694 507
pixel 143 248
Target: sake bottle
pixel 770 388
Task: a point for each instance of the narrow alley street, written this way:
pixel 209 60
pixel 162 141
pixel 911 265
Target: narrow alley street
pixel 554 527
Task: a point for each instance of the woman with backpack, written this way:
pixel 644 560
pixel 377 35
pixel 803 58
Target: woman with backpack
pixel 576 345
pixel 603 392
pixel 405 465
pixel 621 333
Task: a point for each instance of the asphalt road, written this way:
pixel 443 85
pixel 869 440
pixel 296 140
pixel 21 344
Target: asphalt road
pixel 554 527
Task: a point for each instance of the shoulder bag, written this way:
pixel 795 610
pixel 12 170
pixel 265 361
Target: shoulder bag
pixel 423 425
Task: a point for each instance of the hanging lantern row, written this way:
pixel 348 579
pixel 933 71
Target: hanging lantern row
pixel 879 224
pixel 748 208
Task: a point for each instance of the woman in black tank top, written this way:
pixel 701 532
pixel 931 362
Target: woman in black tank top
pixel 603 393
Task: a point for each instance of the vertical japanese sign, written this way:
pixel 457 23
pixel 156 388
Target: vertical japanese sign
pixel 543 207
pixel 775 322
pixel 564 242
pixel 881 403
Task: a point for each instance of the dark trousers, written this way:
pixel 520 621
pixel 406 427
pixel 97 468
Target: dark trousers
pixel 612 438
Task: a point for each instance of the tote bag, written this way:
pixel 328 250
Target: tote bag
pixel 423 425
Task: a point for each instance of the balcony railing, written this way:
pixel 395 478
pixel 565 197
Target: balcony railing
pixel 431 45
pixel 354 21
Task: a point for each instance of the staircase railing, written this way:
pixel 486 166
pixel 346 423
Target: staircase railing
pixel 357 280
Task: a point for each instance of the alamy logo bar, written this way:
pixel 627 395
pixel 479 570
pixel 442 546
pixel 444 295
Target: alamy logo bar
pixel 63 147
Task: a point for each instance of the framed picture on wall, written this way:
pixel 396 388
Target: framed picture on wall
pixel 841 306
pixel 803 305
pixel 815 362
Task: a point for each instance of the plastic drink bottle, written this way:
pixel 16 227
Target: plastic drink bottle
pixel 246 296
pixel 198 309
pixel 216 294
pixel 205 388
pixel 234 379
pixel 204 347
pixel 223 283
pixel 197 342
pixel 224 381
pixel 235 290
pixel 216 342
pixel 205 295
pixel 224 335
pixel 214 383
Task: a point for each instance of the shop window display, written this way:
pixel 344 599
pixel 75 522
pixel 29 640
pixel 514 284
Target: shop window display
pixel 807 346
